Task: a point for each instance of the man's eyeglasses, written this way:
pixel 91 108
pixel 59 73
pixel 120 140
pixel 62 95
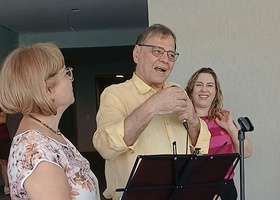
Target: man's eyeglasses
pixel 159 51
pixel 69 73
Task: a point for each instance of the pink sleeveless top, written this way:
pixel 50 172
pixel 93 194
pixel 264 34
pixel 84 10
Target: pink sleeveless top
pixel 218 138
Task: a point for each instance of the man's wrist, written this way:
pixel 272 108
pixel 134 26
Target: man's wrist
pixel 193 120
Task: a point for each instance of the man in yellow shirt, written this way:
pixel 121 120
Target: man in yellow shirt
pixel 144 115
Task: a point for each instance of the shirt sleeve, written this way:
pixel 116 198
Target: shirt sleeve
pixel 108 138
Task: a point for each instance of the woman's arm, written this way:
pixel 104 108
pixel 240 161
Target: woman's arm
pixel 225 121
pixel 48 181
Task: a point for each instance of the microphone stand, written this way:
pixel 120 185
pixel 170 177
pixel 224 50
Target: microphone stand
pixel 241 138
pixel 196 150
pixel 246 125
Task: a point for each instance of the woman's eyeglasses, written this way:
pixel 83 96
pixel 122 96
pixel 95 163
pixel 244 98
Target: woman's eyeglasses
pixel 69 73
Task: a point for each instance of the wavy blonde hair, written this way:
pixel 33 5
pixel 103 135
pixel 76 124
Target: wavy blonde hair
pixel 217 103
pixel 23 79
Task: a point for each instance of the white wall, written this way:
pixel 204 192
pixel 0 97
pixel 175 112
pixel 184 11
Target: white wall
pixel 240 40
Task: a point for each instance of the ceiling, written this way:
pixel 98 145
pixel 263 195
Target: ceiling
pixel 41 16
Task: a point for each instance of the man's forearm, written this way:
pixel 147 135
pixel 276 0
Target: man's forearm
pixel 193 129
pixel 136 122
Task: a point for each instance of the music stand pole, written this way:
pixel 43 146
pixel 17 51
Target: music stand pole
pixel 241 138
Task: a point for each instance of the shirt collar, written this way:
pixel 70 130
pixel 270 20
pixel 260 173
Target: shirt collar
pixel 143 87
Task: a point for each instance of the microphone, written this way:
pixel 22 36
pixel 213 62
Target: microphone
pixel 245 124
pixel 184 121
pixel 185 124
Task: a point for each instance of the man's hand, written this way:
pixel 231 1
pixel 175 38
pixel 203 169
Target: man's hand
pixel 172 100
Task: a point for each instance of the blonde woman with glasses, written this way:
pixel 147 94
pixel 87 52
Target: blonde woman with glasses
pixel 43 163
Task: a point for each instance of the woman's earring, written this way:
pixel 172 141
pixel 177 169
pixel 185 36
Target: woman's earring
pixel 52 100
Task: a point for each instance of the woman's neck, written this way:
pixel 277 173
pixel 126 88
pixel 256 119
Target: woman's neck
pixel 201 112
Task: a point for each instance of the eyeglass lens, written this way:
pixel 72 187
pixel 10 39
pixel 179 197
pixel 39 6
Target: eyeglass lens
pixel 158 52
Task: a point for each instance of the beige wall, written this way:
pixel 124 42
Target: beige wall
pixel 240 40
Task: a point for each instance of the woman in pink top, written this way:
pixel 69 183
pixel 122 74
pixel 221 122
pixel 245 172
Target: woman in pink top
pixel 204 90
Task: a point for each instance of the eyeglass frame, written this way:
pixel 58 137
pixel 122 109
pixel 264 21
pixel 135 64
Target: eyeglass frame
pixel 71 75
pixel 176 54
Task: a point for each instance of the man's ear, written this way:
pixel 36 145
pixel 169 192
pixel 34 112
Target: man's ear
pixel 135 53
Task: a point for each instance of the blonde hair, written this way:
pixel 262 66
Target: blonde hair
pixel 23 78
pixel 217 103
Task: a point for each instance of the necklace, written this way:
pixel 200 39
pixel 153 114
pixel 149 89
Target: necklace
pixel 52 130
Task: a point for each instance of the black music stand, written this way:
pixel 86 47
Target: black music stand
pixel 177 177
